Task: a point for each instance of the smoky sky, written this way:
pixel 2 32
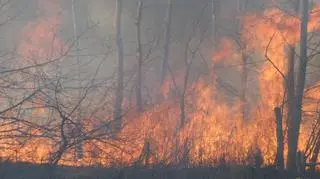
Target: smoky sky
pixel 95 23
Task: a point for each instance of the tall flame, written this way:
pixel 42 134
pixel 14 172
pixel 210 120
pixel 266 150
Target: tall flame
pixel 214 130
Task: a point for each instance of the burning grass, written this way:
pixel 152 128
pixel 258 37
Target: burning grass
pixel 215 131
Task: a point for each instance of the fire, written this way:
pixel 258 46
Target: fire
pixel 226 51
pixel 214 131
pixel 41 42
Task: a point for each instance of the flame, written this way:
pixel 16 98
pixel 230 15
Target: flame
pixel 214 131
pixel 41 42
pixel 226 51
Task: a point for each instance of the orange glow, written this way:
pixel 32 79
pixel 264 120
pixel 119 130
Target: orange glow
pixel 226 51
pixel 41 42
pixel 214 130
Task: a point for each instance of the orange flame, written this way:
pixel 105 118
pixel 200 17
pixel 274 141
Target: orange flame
pixel 41 41
pixel 214 130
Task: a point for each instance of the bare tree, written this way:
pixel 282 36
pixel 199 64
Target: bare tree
pixel 189 56
pixel 79 151
pixel 280 144
pixel 216 5
pixel 165 63
pixel 242 4
pixel 294 123
pixel 290 87
pixel 120 70
pixel 139 57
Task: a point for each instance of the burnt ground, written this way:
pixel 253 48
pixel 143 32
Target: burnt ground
pixel 31 171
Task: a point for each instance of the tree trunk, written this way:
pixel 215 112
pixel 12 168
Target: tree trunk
pixel 119 49
pixel 280 145
pixel 290 83
pixel 139 58
pixel 79 147
pixel 165 64
pixel 294 123
pixel 215 20
pixel 291 103
pixel 244 69
pixel 214 34
pixel 291 100
pixel 244 86
pixel 184 88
